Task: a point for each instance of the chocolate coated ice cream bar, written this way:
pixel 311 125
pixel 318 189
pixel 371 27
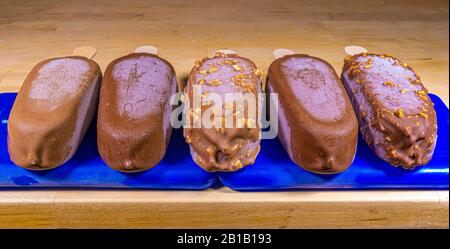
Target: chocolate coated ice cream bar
pixel 395 114
pixel 133 125
pixel 221 147
pixel 317 124
pixel 52 112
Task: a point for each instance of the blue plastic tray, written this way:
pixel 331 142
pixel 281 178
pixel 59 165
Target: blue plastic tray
pixel 87 170
pixel 273 170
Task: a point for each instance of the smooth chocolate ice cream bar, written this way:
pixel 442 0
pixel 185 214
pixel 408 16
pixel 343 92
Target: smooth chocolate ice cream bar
pixel 52 112
pixel 133 125
pixel 222 147
pixel 316 122
pixel 395 114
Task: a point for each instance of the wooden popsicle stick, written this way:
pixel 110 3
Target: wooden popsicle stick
pixel 352 50
pixel 280 52
pixel 147 49
pixel 85 51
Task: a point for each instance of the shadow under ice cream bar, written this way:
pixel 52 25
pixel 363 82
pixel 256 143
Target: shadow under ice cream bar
pixel 220 148
pixel 317 125
pixel 53 110
pixel 133 126
pixel 396 116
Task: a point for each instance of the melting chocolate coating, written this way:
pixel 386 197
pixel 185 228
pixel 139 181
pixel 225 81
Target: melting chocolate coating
pixel 395 114
pixel 52 112
pixel 224 149
pixel 317 125
pixel 133 126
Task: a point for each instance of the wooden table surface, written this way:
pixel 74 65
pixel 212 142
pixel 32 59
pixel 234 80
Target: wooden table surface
pixel 416 31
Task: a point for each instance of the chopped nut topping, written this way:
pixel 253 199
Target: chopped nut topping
pixel 421 92
pixel 408 130
pixel 363 114
pixel 237 67
pixel 220 54
pixel 202 71
pixel 210 150
pixel 238 163
pixel 388 138
pixel 258 73
pixel 367 66
pixel 399 113
pixel 403 91
pixel 197 63
pixel 247 87
pixel 229 62
pixel 204 94
pixel 214 82
pixel 394 154
pixel 201 81
pixel 389 83
pixel 213 70
pixel 237 81
pixel 242 76
pixel 423 115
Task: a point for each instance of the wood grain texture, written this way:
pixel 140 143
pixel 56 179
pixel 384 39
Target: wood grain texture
pixel 224 208
pixel 415 31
